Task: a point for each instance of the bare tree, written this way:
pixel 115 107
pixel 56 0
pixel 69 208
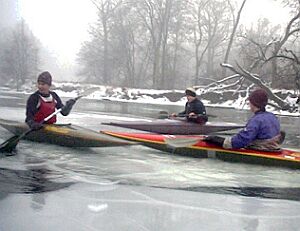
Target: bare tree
pixel 166 44
pixel 20 58
pixel 235 26
pixel 106 10
pixel 210 32
pixel 291 29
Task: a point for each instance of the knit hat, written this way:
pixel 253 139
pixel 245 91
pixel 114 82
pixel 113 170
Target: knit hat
pixel 259 98
pixel 190 91
pixel 45 77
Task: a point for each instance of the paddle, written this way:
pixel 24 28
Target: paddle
pixel 166 115
pixel 10 144
pixel 182 142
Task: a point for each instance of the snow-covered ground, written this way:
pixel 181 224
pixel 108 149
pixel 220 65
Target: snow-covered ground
pixel 161 97
pixel 165 97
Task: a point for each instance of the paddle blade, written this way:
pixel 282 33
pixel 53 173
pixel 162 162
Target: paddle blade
pixel 10 144
pixel 182 142
pixel 86 92
pixel 163 115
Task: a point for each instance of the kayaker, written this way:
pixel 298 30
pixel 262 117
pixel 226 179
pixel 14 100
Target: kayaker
pixel 262 131
pixel 43 103
pixel 194 109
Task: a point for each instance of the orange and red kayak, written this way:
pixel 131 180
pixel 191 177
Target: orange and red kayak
pixel 194 146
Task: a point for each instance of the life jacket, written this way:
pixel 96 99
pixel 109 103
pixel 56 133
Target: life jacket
pixel 46 106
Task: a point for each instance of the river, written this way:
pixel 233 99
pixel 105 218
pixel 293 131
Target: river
pixel 49 187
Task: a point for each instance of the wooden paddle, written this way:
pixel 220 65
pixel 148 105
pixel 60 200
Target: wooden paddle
pixel 10 144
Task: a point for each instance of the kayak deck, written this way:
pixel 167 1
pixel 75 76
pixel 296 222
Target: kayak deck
pixel 201 149
pixel 65 135
pixel 177 127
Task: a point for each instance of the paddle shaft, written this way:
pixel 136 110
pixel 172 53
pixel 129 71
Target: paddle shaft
pixel 44 121
pixel 192 116
pixel 165 115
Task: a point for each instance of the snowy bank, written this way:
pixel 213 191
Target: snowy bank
pixel 210 97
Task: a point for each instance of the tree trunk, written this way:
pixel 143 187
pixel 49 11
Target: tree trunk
pixel 236 23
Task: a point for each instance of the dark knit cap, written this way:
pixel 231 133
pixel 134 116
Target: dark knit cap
pixel 45 77
pixel 259 98
pixel 190 91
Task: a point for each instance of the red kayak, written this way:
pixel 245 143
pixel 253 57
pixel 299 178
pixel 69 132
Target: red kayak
pixel 177 127
pixel 194 146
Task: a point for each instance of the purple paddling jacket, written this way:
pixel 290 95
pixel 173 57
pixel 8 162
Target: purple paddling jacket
pixel 262 125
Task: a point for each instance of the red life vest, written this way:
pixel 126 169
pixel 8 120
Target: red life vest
pixel 46 108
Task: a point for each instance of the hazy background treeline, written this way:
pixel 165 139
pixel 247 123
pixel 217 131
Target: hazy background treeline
pixel 168 44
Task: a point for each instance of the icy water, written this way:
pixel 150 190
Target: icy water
pixel 48 187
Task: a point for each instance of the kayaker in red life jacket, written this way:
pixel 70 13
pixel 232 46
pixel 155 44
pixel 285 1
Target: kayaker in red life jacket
pixel 43 102
pixel 262 131
pixel 194 109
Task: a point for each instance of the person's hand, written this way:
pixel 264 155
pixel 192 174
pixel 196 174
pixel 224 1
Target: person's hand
pixel 36 126
pixel 192 115
pixel 173 114
pixel 68 107
pixel 70 103
pixel 217 140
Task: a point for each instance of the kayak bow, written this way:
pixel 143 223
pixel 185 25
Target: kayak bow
pixel 65 135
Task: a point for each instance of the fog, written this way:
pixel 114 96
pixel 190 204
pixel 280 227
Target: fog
pixel 175 46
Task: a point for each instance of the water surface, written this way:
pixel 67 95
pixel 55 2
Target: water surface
pixel 49 187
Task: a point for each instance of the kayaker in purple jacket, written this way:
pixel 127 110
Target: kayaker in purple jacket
pixel 44 102
pixel 194 109
pixel 262 131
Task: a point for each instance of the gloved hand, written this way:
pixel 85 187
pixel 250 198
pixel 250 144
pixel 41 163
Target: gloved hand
pixel 199 119
pixel 67 108
pixel 217 140
pixel 35 126
pixel 70 103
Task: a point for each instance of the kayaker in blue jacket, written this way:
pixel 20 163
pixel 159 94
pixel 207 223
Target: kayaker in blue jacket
pixel 44 102
pixel 194 109
pixel 262 131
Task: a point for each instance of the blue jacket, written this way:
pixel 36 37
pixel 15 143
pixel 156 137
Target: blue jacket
pixel 263 125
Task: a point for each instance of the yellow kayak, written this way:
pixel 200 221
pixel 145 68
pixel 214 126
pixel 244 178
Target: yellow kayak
pixel 64 134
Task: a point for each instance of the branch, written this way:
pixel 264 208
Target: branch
pixel 288 32
pixel 256 80
pixel 294 55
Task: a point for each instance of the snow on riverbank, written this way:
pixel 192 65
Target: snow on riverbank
pixel 224 99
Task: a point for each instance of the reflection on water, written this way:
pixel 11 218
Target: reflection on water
pixel 28 181
pixel 35 181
